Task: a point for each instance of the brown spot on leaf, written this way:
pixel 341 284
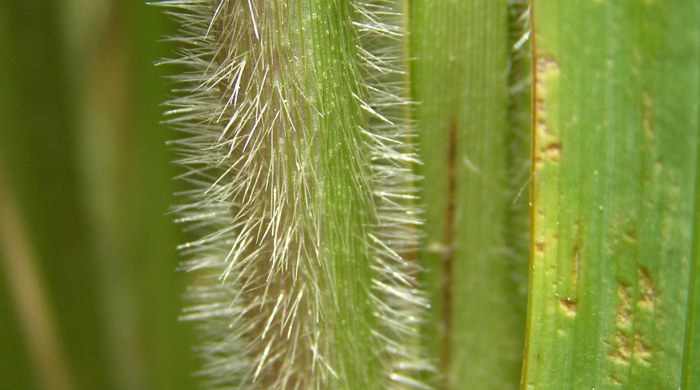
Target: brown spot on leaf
pixel 623 349
pixel 615 380
pixel 624 315
pixel 642 351
pixel 568 305
pixel 540 246
pixel 647 293
pixel 576 254
pixel 552 150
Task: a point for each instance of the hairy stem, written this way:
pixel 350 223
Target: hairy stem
pixel 298 156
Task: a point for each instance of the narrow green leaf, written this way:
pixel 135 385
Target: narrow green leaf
pixel 38 142
pixel 691 362
pixel 126 174
pixel 19 267
pixel 460 82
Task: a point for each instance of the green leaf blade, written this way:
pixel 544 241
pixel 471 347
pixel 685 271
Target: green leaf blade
pixel 614 167
pixel 460 82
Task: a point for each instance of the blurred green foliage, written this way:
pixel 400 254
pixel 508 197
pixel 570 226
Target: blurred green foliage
pixel 86 163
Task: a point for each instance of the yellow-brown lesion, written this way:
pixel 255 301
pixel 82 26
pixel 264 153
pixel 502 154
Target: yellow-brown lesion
pixel 648 295
pixel 629 345
pixel 624 313
pixel 548 146
pixel 568 305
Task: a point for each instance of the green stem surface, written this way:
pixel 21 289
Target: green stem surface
pixel 345 198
